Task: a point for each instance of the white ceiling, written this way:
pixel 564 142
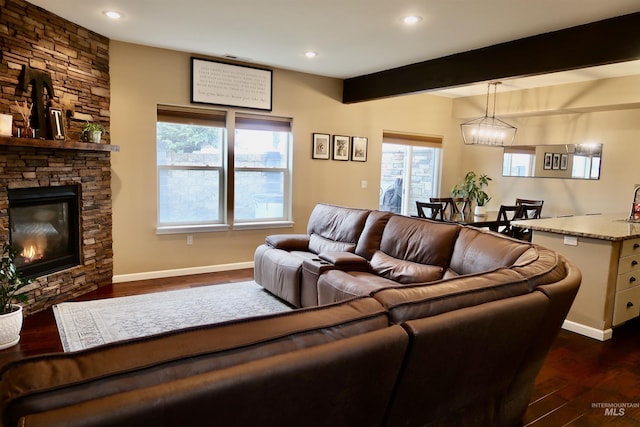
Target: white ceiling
pixel 351 37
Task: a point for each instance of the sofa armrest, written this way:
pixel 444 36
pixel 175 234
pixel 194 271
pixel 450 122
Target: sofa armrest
pixel 345 261
pixel 289 242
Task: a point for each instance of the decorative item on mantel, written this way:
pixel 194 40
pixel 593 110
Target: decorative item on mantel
pixel 6 124
pixel 92 132
pixel 25 111
pixel 10 283
pixel 471 188
pixel 488 130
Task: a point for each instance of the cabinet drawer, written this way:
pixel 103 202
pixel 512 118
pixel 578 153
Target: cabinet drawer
pixel 626 306
pixel 628 280
pixel 629 263
pixel 630 247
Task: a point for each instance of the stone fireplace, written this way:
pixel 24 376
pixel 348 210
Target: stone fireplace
pixel 77 60
pixel 27 171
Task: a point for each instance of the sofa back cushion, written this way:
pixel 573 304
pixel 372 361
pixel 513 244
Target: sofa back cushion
pixel 477 251
pixel 47 382
pixel 371 237
pixel 460 362
pixel 404 272
pixel 419 241
pixel 335 224
pixel 540 266
pixel 325 385
pixel 425 300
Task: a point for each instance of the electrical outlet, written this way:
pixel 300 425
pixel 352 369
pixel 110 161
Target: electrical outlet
pixel 363 183
pixel 189 239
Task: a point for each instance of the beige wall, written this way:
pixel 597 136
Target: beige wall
pixel 604 111
pixel 142 77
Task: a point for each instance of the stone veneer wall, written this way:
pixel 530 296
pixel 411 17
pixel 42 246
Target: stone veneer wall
pixel 78 61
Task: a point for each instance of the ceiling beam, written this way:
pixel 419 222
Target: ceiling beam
pixel 598 43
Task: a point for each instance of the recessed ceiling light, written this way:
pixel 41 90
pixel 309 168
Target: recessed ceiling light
pixel 112 14
pixel 411 19
pixel 311 54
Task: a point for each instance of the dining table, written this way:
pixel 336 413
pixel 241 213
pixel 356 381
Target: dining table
pixel 490 220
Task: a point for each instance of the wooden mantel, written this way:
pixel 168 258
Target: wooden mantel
pixel 48 143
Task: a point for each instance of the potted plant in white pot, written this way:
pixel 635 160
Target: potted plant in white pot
pixel 10 283
pixel 92 132
pixel 472 189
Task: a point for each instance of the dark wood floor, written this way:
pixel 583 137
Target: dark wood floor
pixel 580 377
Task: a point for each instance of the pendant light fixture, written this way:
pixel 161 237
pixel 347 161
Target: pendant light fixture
pixel 488 130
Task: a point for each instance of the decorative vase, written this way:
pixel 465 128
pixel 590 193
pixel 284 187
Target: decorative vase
pixel 480 211
pixel 10 327
pixel 94 136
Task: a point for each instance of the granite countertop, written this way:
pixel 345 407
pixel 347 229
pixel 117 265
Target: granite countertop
pixel 605 227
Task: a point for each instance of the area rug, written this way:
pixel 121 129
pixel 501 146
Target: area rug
pixel 91 323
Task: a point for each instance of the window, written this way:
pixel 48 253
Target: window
pixel 190 158
pixel 519 161
pixel 410 171
pixel 195 185
pixel 262 178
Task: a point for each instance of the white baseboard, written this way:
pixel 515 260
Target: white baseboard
pixel 180 272
pixel 588 331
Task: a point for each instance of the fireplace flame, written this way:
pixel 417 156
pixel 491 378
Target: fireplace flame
pixel 31 253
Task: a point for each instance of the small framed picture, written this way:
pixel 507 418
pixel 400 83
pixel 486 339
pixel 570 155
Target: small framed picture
pixel 320 146
pixel 564 161
pixel 340 147
pixel 57 124
pixel 359 149
pixel 556 161
pixel 548 158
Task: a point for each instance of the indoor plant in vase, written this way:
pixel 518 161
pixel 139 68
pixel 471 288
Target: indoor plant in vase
pixel 92 132
pixel 10 283
pixel 472 189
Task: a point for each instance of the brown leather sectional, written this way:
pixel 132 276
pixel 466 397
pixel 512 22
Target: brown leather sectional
pixel 452 333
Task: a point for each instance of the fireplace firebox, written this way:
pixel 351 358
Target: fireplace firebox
pixel 44 229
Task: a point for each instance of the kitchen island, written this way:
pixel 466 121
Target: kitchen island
pixel 606 248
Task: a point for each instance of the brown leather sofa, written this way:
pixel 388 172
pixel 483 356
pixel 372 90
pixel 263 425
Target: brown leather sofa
pixel 462 349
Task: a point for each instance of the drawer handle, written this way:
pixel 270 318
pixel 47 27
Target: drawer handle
pixel 634 263
pixel 636 245
pixel 629 304
pixel 632 279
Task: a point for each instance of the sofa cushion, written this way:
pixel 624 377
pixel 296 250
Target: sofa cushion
pixel 289 242
pixel 404 271
pixel 369 241
pixel 477 250
pixel 540 266
pixel 420 241
pixel 45 382
pixel 463 358
pixel 337 223
pixel 324 385
pixel 338 285
pixel 319 244
pixel 416 301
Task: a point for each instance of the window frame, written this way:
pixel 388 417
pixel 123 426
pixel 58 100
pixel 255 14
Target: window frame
pixel 259 122
pixel 228 120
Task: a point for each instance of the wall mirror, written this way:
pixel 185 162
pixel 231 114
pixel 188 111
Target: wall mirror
pixel 568 161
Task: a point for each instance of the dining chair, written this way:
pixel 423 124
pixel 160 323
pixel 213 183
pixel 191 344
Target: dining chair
pixel 462 204
pixel 506 214
pixel 520 201
pixel 447 203
pixel 530 211
pixel 435 210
